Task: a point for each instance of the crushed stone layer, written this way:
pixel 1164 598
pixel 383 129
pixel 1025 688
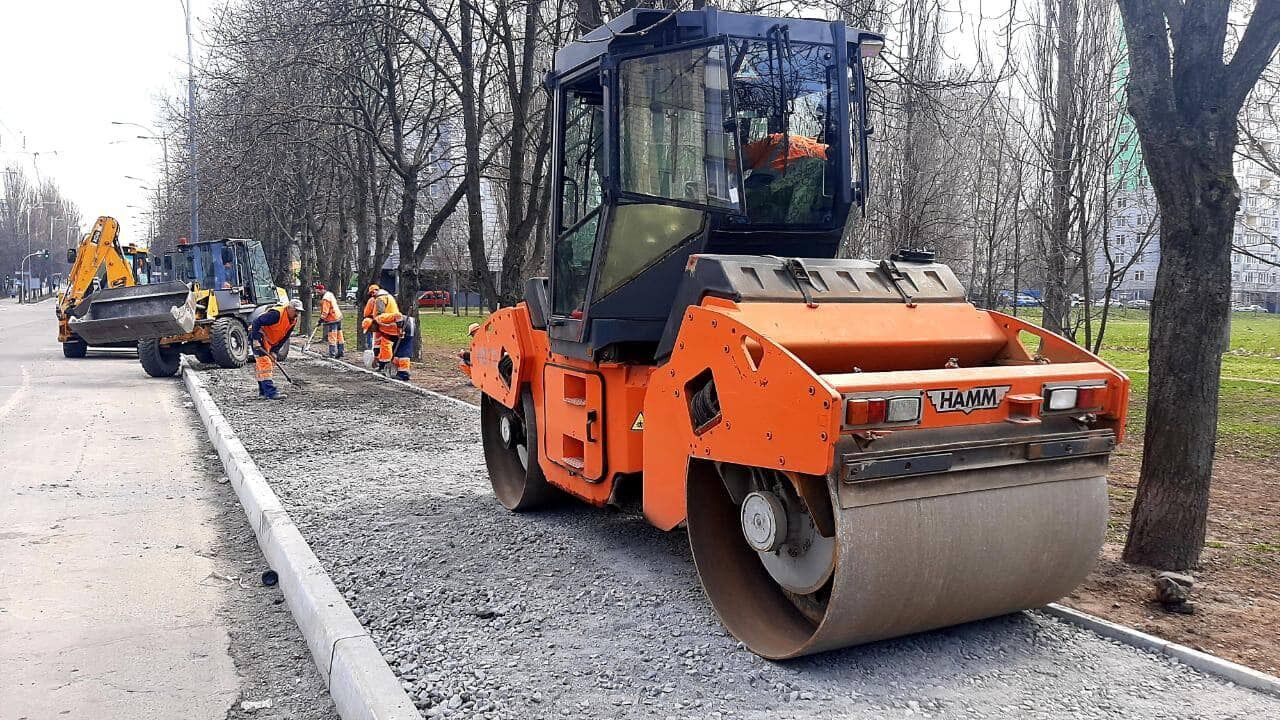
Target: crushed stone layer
pixel 576 612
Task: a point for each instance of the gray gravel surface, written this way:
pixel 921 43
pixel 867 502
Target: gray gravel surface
pixel 582 613
pixel 278 680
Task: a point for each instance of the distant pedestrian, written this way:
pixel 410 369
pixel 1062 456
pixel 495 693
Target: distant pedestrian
pixel 268 332
pixel 331 316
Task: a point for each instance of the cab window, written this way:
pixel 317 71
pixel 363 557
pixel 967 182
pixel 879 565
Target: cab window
pixel 786 122
pixel 672 135
pixel 580 195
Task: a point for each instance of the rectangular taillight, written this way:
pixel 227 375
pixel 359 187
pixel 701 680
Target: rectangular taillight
pixel 1066 398
pixel 868 411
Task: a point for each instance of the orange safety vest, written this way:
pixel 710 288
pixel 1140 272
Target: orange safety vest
pixel 277 333
pixel 383 302
pixel 386 323
pixel 329 310
pixel 777 150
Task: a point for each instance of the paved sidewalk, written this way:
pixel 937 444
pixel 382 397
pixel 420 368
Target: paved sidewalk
pixel 111 521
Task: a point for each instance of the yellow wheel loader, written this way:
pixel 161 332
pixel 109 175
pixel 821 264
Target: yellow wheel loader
pixel 205 312
pixel 99 263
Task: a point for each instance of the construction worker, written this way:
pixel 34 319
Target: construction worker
pixel 776 151
pixel 331 316
pixel 393 340
pixel 267 333
pixel 380 301
pixel 786 182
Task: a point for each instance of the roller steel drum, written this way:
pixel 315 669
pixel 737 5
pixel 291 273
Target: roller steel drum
pixel 911 554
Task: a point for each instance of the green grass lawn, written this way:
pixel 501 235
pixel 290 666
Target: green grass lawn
pixel 1249 416
pixel 438 330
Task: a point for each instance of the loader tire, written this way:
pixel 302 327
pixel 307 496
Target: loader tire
pixel 230 342
pixel 511 455
pixel 204 354
pixel 158 361
pixel 75 348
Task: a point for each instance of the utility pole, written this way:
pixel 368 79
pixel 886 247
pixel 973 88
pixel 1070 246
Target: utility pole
pixel 191 128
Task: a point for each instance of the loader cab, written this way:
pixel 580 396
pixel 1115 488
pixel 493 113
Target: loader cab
pixel 693 132
pixel 234 269
pixel 139 263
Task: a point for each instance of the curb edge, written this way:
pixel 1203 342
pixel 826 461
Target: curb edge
pixel 361 684
pixel 1204 662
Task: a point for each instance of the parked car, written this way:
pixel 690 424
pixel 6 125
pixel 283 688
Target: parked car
pixel 1027 301
pixel 1138 304
pixel 1249 308
pixel 434 298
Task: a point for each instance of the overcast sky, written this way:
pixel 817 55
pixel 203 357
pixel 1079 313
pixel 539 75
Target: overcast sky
pixel 70 67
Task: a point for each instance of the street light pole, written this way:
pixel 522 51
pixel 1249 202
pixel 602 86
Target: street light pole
pixel 191 128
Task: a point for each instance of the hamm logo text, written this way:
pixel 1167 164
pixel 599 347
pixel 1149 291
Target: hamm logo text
pixel 966 401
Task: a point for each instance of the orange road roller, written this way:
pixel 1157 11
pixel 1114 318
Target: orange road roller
pixel 856 452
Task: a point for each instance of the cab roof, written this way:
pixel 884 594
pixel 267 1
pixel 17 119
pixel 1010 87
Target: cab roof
pixel 648 28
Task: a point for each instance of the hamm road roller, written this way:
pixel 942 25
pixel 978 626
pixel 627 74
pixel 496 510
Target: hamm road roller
pixel 856 452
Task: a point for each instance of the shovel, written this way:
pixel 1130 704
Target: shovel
pixel 307 345
pixel 285 373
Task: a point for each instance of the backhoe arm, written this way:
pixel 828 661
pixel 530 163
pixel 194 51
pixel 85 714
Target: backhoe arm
pixel 99 248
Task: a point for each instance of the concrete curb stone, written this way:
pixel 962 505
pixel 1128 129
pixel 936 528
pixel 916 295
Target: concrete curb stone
pixel 1204 662
pixel 362 685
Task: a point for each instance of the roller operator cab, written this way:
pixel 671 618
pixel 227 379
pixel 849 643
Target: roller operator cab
pixel 857 452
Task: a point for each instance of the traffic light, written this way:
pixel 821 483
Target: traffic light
pixel 45 255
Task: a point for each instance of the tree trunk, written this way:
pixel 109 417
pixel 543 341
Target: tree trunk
pixel 471 135
pixel 1057 303
pixel 1190 309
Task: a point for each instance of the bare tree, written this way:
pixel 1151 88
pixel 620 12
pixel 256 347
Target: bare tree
pixel 1185 98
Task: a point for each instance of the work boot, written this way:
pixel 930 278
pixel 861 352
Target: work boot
pixel 402 375
pixel 278 396
pixel 341 351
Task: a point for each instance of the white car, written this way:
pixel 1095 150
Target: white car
pixel 1138 304
pixel 1249 308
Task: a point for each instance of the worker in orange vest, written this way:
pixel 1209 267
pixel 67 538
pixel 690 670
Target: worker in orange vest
pixel 393 340
pixel 380 301
pixel 775 151
pixel 268 332
pixel 331 316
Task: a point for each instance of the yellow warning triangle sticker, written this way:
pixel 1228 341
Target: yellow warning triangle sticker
pixel 639 423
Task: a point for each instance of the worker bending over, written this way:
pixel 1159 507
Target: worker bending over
pixel 268 332
pixel 380 301
pixel 393 341
pixel 331 316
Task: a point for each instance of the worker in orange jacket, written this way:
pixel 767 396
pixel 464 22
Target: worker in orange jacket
pixel 380 301
pixel 268 332
pixel 776 151
pixel 331 316
pixel 393 340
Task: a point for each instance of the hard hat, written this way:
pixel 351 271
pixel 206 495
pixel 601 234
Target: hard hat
pixel 373 289
pixel 318 287
pixel 296 305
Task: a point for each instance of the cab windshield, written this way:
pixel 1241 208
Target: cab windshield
pixel 784 111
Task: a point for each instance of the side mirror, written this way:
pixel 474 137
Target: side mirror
pixel 71 256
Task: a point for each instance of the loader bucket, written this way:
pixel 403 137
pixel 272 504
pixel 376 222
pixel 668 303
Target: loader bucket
pixel 135 313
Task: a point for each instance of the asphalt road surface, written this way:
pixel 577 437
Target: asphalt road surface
pixel 128 574
pixel 582 613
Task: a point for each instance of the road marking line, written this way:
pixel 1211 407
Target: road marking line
pixel 12 402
